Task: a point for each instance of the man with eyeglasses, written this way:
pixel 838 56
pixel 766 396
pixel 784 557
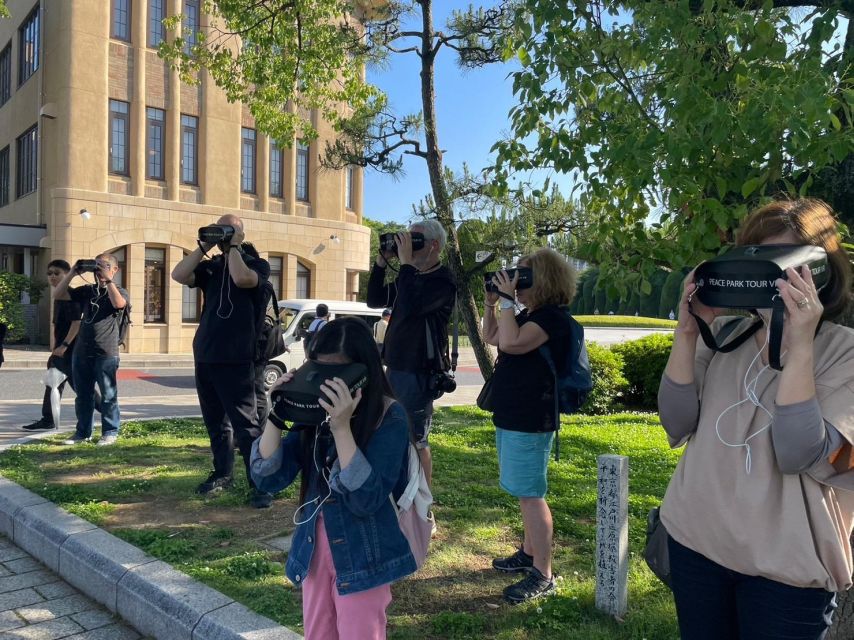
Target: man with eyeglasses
pixel 66 325
pixel 95 359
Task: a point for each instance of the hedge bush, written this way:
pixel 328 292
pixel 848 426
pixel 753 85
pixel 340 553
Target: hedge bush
pixel 606 367
pixel 643 363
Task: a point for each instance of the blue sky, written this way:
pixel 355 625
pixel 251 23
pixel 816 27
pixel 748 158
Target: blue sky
pixel 472 108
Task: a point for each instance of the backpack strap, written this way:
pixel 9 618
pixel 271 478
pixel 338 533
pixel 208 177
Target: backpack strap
pixel 547 356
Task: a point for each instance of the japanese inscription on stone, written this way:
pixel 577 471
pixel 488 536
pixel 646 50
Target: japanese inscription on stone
pixel 612 534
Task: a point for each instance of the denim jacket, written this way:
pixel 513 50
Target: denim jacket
pixel 368 548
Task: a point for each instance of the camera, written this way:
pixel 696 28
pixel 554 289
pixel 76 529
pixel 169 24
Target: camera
pixel 441 382
pixel 219 234
pixel 86 266
pixel 388 242
pixel 526 278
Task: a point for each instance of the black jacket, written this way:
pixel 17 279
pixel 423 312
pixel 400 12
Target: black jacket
pixel 416 299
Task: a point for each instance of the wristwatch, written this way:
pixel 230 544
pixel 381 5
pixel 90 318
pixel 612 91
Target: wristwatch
pixel 506 304
pixel 65 344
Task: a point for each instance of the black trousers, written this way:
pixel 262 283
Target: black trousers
pixel 228 404
pixel 261 394
pixel 64 365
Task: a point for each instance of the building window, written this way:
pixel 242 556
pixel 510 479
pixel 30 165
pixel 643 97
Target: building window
pixel 276 274
pixel 303 281
pixel 247 161
pixel 154 169
pixel 119 128
pixel 190 304
pixel 27 162
pixel 302 172
pixel 6 74
pixel 155 285
pixel 121 258
pixel 191 24
pixel 121 20
pixel 156 14
pixel 348 186
pixel 276 170
pixel 189 149
pixel 4 177
pixel 28 47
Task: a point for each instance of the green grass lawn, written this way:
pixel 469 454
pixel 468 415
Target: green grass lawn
pixel 142 491
pixel 634 322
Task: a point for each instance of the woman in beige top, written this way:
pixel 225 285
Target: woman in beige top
pixel 761 505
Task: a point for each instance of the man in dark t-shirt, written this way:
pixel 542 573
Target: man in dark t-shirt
pixel 95 359
pixel 66 324
pixel 224 352
pixel 422 299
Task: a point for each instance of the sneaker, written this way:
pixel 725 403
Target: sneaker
pixel 519 561
pixel 39 425
pixel 214 484
pixel 261 499
pixel 534 585
pixel 75 439
pixel 107 440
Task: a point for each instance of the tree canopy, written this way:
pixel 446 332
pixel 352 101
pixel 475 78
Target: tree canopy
pixel 677 117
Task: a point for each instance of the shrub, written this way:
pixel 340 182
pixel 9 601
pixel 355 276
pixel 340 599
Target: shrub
pixel 649 302
pixel 606 368
pixel 643 363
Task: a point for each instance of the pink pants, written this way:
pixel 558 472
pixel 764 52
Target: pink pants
pixel 329 616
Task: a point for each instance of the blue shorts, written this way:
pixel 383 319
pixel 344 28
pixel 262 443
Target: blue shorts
pixel 523 460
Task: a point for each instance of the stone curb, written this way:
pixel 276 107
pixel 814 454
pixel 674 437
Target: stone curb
pixel 149 594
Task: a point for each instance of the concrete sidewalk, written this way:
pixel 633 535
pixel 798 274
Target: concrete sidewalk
pixel 150 595
pixel 36 604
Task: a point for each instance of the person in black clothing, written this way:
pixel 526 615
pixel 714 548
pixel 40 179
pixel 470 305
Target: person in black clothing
pixel 66 324
pixel 3 329
pixel 95 359
pixel 523 404
pixel 422 296
pixel 224 353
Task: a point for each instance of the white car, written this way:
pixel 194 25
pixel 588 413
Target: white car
pixel 296 314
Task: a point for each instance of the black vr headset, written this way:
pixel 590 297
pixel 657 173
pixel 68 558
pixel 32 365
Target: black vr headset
pixel 743 278
pixel 297 401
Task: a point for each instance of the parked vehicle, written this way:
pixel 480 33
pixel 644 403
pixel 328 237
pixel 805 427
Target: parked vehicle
pixel 296 315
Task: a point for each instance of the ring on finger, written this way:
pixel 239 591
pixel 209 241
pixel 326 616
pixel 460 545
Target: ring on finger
pixel 803 303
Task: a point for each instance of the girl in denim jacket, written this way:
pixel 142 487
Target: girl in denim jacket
pixel 347 548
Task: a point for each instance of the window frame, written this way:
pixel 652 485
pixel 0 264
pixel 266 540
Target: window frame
pixel 191 40
pixel 154 25
pixel 278 272
pixel 161 318
pixel 5 174
pixel 23 179
pixel 303 273
pixel 31 25
pixel 125 117
pixel 114 6
pixel 301 172
pixel 246 142
pixel 192 129
pixel 6 74
pixel 275 149
pixel 160 125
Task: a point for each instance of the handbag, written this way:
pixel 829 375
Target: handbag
pixel 655 553
pixel 484 398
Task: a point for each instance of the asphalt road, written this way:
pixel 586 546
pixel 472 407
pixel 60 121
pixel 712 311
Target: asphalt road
pixel 167 392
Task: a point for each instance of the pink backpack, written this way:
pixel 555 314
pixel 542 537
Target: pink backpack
pixel 413 509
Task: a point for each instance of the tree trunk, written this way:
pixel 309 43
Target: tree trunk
pixel 843 619
pixel 444 210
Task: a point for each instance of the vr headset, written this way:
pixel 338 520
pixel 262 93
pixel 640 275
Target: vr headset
pixel 389 243
pixel 743 278
pixel 297 401
pixel 216 234
pixel 526 278
pixel 87 265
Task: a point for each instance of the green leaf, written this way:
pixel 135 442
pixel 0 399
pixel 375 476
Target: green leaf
pixel 750 186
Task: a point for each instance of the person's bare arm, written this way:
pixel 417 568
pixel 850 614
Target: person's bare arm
pixel 184 271
pixel 241 275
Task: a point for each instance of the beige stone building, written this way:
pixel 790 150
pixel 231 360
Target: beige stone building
pixel 102 148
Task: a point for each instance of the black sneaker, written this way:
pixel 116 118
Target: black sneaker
pixel 519 561
pixel 261 499
pixel 39 425
pixel 214 484
pixel 534 585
